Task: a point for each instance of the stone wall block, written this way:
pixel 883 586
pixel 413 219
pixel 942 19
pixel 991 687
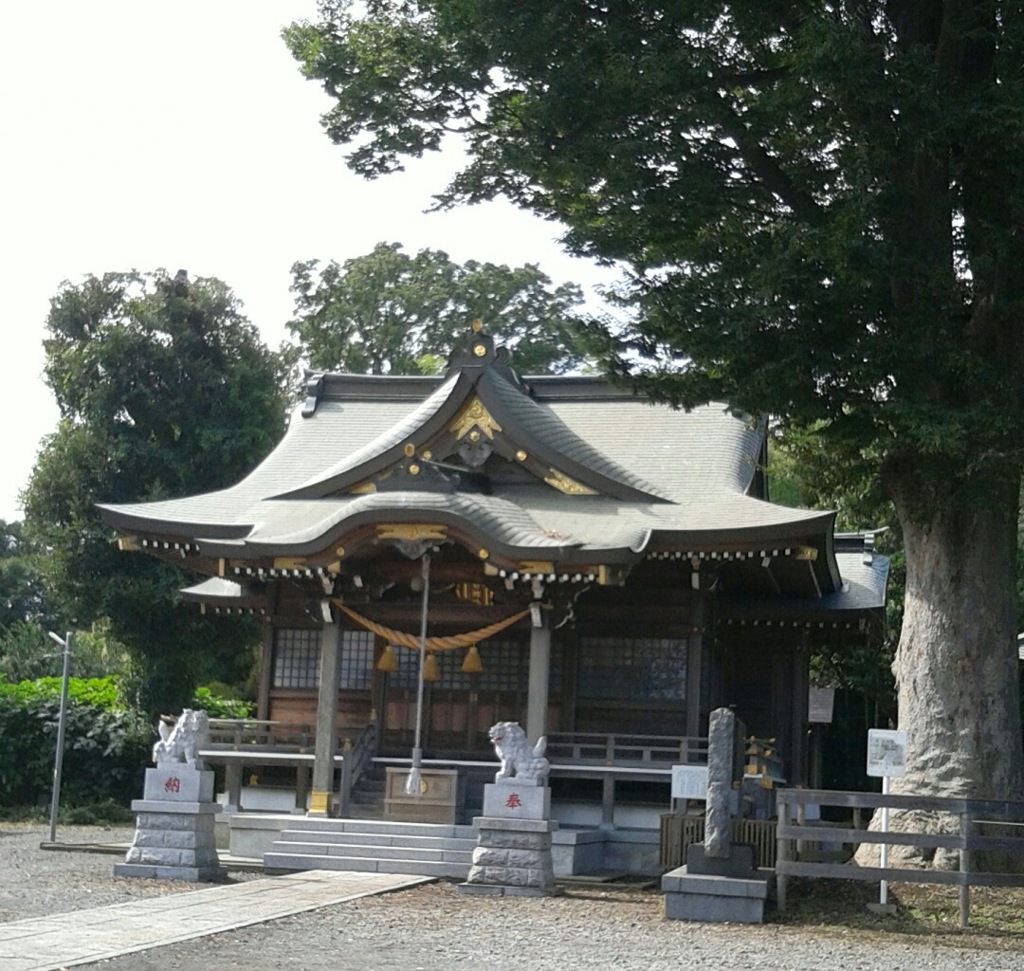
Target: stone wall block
pixel 515 877
pixel 515 841
pixel 540 877
pixel 165 821
pixel 183 841
pixel 490 856
pixel 524 858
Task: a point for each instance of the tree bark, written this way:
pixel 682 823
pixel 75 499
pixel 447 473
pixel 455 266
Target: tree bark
pixel 956 665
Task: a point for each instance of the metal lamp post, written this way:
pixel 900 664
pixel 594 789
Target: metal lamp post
pixel 65 643
pixel 413 784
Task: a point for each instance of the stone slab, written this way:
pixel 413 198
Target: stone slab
pixel 160 872
pixel 177 782
pixel 486 890
pixel 507 800
pixel 165 806
pixel 680 881
pixel 515 825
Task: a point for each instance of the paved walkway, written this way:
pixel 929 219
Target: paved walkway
pixel 84 936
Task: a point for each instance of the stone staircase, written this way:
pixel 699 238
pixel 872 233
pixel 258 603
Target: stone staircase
pixel 381 846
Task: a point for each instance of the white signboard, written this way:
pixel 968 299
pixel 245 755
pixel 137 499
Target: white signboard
pixel 887 753
pixel 689 782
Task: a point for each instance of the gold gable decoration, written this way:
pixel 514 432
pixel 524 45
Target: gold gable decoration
pixel 474 415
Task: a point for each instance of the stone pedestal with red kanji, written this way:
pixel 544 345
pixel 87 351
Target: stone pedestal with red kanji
pixel 513 851
pixel 174 834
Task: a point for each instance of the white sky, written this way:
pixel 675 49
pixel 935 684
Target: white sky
pixel 142 134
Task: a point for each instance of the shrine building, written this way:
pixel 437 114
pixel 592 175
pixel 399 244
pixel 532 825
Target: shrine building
pixel 593 565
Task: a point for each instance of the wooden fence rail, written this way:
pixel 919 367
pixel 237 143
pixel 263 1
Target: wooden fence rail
pixel 795 832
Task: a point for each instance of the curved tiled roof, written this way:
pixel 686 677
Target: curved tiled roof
pixel 664 478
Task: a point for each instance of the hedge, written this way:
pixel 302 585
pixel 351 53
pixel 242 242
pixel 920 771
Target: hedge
pixel 107 744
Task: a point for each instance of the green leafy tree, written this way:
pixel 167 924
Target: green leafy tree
pixel 821 207
pixel 164 389
pixel 21 585
pixel 391 313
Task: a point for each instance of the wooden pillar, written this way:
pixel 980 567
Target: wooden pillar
pixel 326 717
pixel 694 659
pixel 798 737
pixel 540 667
pixel 267 658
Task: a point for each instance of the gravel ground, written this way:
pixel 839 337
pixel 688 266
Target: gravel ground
pixel 432 926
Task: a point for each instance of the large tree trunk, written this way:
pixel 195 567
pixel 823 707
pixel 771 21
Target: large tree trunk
pixel 956 666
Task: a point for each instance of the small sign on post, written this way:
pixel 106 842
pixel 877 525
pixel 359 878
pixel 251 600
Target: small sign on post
pixel 887 753
pixel 887 757
pixel 690 782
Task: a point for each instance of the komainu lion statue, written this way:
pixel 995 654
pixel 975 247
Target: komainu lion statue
pixel 182 743
pixel 528 765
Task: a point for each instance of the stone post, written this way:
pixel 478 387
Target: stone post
pixel 721 752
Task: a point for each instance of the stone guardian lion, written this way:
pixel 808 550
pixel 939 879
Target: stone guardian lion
pixel 182 743
pixel 517 758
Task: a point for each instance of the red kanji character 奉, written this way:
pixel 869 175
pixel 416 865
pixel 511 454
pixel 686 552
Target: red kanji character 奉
pixel 513 801
pixel 172 785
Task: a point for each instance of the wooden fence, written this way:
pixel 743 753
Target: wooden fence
pixel 795 833
pixel 679 830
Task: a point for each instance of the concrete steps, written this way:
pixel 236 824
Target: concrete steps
pixel 423 849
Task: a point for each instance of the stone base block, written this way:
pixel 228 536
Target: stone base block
pixel 204 874
pixel 513 857
pixel 714 899
pixel 177 782
pixel 173 841
pixel 738 864
pixel 507 800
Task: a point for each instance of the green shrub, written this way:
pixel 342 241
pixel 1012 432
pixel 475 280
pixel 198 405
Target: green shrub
pixel 106 748
pixel 219 707
pixel 104 693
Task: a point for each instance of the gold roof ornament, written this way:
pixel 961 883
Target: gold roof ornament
pixel 412 532
pixel 474 593
pixel 474 415
pixel 562 482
